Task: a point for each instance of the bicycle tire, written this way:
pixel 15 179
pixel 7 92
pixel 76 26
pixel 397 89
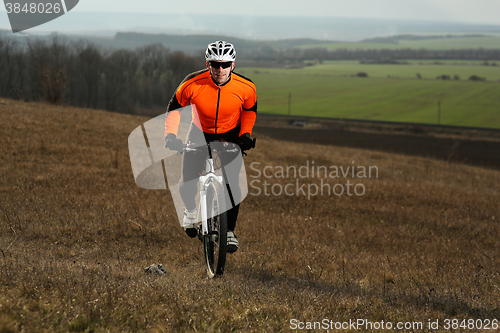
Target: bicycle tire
pixel 215 242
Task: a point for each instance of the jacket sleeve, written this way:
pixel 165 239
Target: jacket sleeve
pixel 174 112
pixel 180 99
pixel 249 113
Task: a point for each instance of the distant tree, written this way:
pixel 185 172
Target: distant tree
pixel 443 77
pixel 38 63
pixel 119 75
pixel 419 76
pixel 362 74
pixel 319 54
pixel 54 77
pixel 53 84
pixel 89 67
pixel 182 64
pixel 476 78
pixel 12 63
pixel 153 62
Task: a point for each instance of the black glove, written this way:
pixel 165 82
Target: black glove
pixel 246 143
pixel 173 143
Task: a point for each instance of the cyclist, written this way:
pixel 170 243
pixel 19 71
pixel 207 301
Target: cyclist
pixel 224 105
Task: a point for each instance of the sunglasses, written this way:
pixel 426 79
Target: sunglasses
pixel 215 64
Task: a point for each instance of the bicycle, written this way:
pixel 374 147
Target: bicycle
pixel 219 187
pixel 212 204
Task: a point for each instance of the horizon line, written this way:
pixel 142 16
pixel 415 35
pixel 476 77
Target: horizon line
pixel 447 21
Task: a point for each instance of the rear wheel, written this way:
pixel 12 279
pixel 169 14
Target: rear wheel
pixel 215 242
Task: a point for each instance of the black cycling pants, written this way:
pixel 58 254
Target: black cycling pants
pixel 193 164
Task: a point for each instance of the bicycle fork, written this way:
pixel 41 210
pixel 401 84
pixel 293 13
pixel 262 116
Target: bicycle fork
pixel 205 180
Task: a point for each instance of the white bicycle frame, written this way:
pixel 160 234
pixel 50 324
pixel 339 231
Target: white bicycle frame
pixel 204 183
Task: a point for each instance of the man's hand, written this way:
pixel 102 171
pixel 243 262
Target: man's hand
pixel 173 143
pixel 246 143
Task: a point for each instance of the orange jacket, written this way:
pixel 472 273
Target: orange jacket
pixel 216 109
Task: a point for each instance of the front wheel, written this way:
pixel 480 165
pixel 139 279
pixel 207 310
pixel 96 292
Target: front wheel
pixel 215 242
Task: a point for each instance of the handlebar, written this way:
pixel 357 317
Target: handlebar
pixel 227 147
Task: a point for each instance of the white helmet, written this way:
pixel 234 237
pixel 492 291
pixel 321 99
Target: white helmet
pixel 220 51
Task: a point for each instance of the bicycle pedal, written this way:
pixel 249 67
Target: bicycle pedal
pixel 231 249
pixel 191 232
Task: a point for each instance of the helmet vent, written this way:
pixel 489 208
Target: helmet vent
pixel 220 51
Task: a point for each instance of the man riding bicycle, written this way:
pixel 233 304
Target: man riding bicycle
pixel 224 106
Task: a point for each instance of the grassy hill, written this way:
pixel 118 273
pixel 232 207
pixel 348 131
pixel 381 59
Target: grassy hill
pixel 76 234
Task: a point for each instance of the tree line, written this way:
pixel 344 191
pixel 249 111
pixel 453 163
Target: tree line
pixel 266 53
pixel 85 75
pixel 123 80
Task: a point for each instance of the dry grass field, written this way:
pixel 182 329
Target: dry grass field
pixel 76 233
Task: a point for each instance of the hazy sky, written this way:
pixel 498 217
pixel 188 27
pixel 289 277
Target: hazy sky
pixel 456 11
pixel 473 11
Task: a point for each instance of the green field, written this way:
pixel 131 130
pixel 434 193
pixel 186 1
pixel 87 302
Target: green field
pixel 427 69
pixel 331 90
pixel 486 42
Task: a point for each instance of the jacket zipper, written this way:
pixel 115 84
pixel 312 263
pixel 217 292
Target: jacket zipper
pixel 217 112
